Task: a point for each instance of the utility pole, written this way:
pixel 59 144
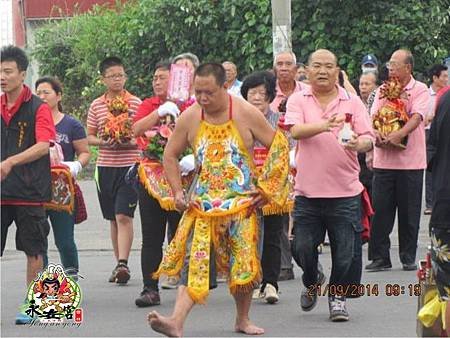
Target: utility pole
pixel 281 25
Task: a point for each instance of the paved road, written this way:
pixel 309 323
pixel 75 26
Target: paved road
pixel 109 309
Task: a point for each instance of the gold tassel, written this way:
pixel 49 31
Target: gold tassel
pixel 166 203
pixel 175 253
pixel 197 296
pixel 236 285
pixel 274 209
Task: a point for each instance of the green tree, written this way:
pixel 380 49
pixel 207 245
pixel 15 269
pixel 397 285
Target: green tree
pixel 147 31
pixel 354 28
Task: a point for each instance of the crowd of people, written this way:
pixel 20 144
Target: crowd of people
pixel 256 174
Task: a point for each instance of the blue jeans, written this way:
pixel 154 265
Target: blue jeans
pixel 63 230
pixel 340 217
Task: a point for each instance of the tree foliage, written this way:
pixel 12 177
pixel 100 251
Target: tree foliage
pixel 354 28
pixel 147 31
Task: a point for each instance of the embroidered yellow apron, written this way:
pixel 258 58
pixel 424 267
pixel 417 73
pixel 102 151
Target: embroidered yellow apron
pixel 151 175
pixel 218 211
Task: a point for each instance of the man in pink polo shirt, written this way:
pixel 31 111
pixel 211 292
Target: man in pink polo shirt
pixel 285 67
pixel 327 185
pixel 398 174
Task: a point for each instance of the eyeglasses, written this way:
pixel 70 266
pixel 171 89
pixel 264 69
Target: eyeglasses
pixel 116 76
pixel 394 65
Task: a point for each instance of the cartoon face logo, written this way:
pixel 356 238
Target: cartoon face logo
pixel 51 286
pixel 53 296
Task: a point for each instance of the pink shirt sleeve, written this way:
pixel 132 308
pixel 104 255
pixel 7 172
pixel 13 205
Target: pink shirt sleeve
pixel 294 112
pixel 421 101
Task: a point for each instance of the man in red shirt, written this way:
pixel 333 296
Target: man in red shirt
pixel 26 131
pixel 153 217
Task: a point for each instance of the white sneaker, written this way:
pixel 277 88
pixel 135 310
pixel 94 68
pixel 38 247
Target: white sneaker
pixel 257 294
pixel 270 294
pixel 170 283
pixel 338 310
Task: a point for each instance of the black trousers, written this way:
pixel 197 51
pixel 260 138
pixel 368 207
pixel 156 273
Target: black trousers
pixel 401 191
pixel 428 176
pixel 271 254
pixel 153 221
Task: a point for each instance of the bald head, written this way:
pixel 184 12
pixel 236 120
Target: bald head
pixel 320 53
pixel 405 55
pixel 322 71
pixel 401 65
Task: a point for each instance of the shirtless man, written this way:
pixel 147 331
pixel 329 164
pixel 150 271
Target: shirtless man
pixel 216 109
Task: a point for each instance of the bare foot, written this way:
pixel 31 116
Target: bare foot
pixel 248 328
pixel 164 325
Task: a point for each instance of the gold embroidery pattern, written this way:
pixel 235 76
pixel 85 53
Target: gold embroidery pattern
pixel 22 126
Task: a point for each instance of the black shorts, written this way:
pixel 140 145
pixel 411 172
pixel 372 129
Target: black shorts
pixel 32 228
pixel 114 194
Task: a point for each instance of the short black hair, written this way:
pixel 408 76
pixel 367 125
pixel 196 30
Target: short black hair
pixel 109 62
pixel 16 54
pixel 164 65
pixel 54 82
pixel 436 70
pixel 257 79
pixel 214 69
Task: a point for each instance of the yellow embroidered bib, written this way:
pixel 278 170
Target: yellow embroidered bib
pixel 217 217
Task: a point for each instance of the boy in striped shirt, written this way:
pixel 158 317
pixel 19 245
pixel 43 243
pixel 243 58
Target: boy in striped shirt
pixel 117 199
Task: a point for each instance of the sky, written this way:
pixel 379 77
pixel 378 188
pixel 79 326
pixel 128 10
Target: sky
pixel 6 29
